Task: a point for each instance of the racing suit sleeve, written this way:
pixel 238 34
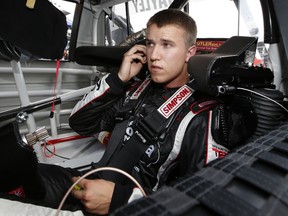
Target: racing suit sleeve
pixel 95 112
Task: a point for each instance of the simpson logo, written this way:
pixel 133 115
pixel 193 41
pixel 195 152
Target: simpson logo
pixel 140 89
pixel 175 101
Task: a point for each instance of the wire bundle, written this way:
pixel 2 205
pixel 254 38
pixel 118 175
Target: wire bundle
pixel 268 107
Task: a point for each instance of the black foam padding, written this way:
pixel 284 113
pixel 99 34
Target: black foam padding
pixel 251 180
pixel 42 31
pixel 100 55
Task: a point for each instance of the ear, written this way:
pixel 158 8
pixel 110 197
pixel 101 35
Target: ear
pixel 191 52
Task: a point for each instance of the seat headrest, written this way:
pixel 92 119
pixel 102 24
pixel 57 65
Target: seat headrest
pixel 231 65
pixel 100 55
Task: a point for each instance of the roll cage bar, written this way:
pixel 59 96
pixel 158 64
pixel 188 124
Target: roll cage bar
pixel 271 29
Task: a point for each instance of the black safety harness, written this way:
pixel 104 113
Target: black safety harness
pixel 146 129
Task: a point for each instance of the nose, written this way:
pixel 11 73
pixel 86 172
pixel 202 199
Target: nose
pixel 155 53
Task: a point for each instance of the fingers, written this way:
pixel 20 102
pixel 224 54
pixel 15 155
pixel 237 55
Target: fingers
pixel 137 54
pixel 132 62
pixel 79 194
pixel 79 188
pixel 79 184
pixel 95 195
pixel 137 49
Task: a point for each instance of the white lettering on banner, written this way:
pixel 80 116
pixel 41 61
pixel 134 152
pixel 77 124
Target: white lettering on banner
pixel 147 5
pixel 140 89
pixel 175 101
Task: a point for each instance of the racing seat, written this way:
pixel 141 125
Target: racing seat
pixel 229 73
pixel 249 180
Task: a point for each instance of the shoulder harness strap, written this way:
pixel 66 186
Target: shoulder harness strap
pixel 133 100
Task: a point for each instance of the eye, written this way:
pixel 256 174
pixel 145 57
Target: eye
pixel 149 43
pixel 166 44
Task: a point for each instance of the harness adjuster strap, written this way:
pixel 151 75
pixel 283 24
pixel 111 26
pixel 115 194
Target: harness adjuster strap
pixel 148 128
pixel 121 116
pixel 144 132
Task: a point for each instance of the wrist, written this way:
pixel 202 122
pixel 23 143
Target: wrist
pixel 123 78
pixel 116 84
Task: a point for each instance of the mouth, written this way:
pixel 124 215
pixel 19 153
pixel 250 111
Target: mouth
pixel 155 68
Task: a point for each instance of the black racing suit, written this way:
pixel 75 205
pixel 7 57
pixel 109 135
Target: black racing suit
pixel 184 145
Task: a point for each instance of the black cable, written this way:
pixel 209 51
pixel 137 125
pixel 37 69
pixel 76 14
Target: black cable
pixel 54 154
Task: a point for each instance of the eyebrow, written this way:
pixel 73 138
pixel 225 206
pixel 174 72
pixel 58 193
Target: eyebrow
pixel 167 41
pixel 162 40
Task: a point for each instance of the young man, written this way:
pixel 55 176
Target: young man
pixel 183 142
pixel 171 39
pixel 160 127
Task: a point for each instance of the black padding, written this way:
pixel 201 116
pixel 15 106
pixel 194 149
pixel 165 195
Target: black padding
pixel 176 202
pixel 274 159
pixel 41 31
pixel 100 55
pixel 8 51
pixel 252 180
pixel 18 163
pixel 214 197
pixel 283 146
pixel 228 65
pixel 152 207
pixel 227 165
pixel 262 180
pixel 236 46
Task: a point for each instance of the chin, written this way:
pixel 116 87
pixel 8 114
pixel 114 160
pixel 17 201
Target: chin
pixel 161 82
pixel 157 79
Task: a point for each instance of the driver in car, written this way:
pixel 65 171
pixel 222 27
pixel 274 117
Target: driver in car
pixel 159 128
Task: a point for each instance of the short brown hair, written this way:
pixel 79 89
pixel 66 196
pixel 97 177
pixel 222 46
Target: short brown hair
pixel 179 18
